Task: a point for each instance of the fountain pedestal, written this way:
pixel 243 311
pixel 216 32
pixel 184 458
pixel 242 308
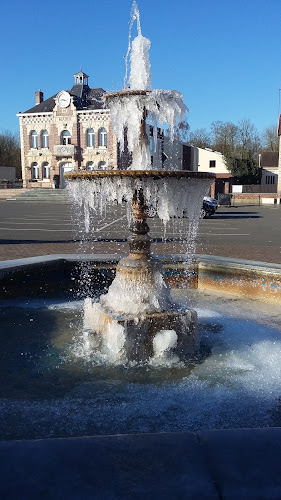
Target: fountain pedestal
pixel 136 319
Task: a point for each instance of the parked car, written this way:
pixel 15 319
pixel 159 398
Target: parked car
pixel 209 207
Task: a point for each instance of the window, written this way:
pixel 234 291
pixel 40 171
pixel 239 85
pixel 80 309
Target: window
pixel 33 139
pixel 34 171
pixel 102 165
pixel 65 137
pixel 102 137
pixel 46 170
pixel 270 179
pixel 90 137
pixel 90 166
pixel 212 164
pixel 44 139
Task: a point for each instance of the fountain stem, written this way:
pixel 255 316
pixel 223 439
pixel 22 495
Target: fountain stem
pixel 139 242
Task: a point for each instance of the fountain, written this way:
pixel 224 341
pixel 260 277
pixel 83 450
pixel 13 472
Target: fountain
pixel 140 431
pixel 136 319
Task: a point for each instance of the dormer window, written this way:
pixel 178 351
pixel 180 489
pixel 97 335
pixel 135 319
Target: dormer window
pixel 102 137
pixel 65 137
pixel 33 139
pixel 44 139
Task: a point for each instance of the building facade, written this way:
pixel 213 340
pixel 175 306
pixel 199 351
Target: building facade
pixel 279 159
pixel 268 162
pixel 68 131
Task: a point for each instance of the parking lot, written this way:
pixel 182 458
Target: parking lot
pixel 34 228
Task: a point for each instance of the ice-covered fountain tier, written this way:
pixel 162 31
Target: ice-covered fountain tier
pixel 136 319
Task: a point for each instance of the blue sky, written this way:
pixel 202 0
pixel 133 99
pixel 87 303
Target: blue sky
pixel 224 56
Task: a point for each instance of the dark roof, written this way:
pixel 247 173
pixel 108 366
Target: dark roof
pixel 269 159
pixel 44 106
pixel 83 98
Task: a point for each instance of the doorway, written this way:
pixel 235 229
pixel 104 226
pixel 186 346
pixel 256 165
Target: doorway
pixel 65 167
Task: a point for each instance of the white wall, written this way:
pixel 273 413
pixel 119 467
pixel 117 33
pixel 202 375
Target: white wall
pixel 204 158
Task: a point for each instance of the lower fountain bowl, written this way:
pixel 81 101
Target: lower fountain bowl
pixel 55 385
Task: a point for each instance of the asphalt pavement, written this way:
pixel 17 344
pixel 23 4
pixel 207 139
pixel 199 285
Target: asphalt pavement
pixel 38 228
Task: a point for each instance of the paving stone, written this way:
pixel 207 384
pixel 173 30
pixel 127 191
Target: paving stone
pixel 245 464
pixel 144 466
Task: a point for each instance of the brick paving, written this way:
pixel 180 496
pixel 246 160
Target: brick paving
pixel 10 193
pixel 253 248
pixel 9 251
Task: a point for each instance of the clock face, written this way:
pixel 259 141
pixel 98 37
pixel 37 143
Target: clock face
pixel 63 99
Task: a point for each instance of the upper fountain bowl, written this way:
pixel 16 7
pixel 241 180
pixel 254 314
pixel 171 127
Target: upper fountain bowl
pixel 139 174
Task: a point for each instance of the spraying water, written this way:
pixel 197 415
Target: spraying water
pixel 129 109
pixel 136 319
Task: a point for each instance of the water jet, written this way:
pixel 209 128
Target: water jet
pixel 128 320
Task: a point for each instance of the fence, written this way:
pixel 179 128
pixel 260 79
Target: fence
pixel 10 184
pixel 260 188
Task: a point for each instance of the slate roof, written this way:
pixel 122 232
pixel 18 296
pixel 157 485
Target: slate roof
pixel 83 98
pixel 269 159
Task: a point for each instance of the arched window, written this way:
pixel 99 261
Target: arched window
pixel 102 137
pixel 46 170
pixel 65 137
pixel 102 165
pixel 90 165
pixel 34 171
pixel 44 139
pixel 90 137
pixel 33 139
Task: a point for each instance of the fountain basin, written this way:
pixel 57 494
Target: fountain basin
pixel 58 275
pixel 54 386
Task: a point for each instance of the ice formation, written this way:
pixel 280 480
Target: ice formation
pixel 163 342
pixel 171 197
pixel 138 303
pixel 128 109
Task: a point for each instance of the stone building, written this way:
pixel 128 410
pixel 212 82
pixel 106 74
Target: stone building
pixel 268 162
pixel 68 131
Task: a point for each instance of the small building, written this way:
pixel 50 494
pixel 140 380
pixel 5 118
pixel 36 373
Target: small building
pixel 279 159
pixel 268 162
pixel 69 131
pixel 207 160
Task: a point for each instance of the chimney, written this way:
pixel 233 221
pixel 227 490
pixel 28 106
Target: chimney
pixel 39 97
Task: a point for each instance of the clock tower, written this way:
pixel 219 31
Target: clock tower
pixel 81 78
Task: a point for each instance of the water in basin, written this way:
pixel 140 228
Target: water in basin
pixel 52 385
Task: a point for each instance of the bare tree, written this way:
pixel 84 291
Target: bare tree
pixel 10 153
pixel 248 140
pixel 270 140
pixel 200 138
pixel 224 137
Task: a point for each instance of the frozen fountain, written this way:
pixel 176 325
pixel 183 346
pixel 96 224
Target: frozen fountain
pixel 163 428
pixel 136 319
